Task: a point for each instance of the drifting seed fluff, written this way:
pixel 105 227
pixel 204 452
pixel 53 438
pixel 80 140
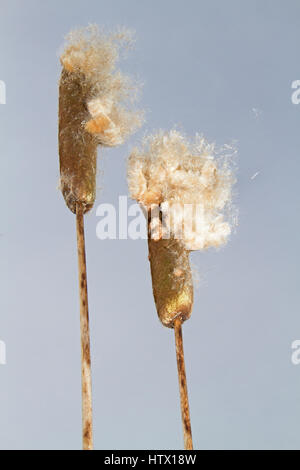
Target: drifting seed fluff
pixel 91 56
pixel 191 182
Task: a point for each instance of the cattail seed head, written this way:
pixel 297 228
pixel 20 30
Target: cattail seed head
pixel 174 174
pixel 93 109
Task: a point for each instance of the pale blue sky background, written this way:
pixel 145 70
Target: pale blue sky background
pixel 205 65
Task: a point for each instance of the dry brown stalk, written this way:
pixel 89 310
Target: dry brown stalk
pixel 184 399
pixel 87 419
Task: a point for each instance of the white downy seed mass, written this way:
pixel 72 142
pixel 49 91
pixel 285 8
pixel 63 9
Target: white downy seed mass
pixel 93 55
pixel 190 181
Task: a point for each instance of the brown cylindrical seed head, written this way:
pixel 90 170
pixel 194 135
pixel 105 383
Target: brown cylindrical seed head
pixel 77 147
pixel 171 280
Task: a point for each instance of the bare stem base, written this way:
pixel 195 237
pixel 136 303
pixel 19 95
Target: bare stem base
pixel 87 420
pixel 184 400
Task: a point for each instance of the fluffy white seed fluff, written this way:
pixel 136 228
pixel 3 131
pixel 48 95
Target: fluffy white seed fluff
pixel 93 55
pixel 192 184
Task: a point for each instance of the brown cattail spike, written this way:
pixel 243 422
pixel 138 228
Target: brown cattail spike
pixel 172 282
pixel 77 147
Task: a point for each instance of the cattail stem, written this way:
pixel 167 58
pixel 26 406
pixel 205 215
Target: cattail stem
pixel 87 420
pixel 184 400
